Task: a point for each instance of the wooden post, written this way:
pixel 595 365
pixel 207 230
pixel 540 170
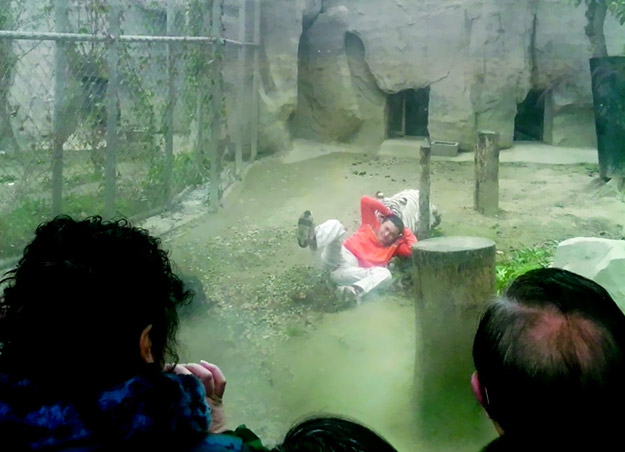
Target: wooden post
pixel 424 193
pixel 169 108
pixel 215 110
pixel 112 111
pixel 454 279
pixel 403 115
pixel 241 103
pixel 255 82
pixel 60 83
pixel 486 196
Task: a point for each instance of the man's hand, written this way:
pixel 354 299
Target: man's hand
pixel 214 383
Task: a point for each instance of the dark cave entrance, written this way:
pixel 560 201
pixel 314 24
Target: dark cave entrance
pixel 408 113
pixel 529 123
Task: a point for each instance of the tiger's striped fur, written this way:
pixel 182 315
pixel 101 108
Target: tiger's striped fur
pixel 405 204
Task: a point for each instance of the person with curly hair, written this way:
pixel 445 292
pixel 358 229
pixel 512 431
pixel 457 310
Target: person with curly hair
pixel 88 320
pixel 332 434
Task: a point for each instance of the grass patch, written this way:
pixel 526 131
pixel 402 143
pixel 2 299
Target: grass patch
pixel 294 331
pixel 17 227
pixel 186 172
pixel 6 178
pixel 591 168
pixel 521 261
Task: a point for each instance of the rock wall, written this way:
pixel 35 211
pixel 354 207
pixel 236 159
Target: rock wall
pixel 338 97
pixel 480 58
pixel 562 53
pixel 327 106
pixel 281 28
pixel 371 100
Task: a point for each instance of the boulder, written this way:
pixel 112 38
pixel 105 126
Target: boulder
pixel 416 45
pixel 601 260
pixel 500 64
pixel 371 100
pixel 281 29
pixel 327 107
pixel 561 66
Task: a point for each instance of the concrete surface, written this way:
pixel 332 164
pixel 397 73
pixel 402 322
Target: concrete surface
pixel 519 152
pixel 409 148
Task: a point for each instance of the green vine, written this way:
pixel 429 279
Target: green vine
pixel 83 111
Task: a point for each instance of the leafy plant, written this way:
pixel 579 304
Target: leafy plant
pixel 4 178
pixel 187 172
pixel 521 261
pixel 83 114
pixel 18 226
pixel 596 11
pixel 618 9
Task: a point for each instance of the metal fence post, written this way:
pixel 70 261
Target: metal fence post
pixel 215 108
pixel 241 90
pixel 255 82
pixel 169 112
pixel 112 111
pixel 424 192
pixel 60 80
pixel 199 113
pixel 203 93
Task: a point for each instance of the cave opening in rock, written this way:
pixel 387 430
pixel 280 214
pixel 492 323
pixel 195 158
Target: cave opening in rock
pixel 529 123
pixel 408 113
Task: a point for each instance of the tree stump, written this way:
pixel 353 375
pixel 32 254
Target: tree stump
pixel 454 280
pixel 486 197
pixel 424 193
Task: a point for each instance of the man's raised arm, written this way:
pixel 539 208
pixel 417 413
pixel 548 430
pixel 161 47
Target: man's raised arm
pixel 368 208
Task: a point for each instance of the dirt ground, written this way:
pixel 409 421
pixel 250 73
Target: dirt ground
pixel 268 299
pixel 246 254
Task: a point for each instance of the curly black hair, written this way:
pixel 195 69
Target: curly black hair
pixel 79 299
pixel 332 434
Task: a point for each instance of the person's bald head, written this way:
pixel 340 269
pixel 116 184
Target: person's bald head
pixel 550 354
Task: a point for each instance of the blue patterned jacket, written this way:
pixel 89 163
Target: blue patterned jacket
pixel 154 409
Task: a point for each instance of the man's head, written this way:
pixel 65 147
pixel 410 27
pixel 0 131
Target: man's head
pixel 332 434
pixel 550 355
pixel 390 229
pixel 98 296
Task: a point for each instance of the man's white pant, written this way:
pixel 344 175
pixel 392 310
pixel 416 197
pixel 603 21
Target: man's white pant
pixel 342 264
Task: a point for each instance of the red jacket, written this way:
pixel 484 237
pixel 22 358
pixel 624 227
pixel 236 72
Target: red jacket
pixel 364 244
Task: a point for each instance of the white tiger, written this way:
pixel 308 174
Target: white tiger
pixel 405 204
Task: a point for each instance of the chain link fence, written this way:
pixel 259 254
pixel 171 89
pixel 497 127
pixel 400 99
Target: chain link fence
pixel 117 107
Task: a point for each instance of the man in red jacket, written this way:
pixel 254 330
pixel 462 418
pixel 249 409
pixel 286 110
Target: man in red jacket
pixel 358 264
